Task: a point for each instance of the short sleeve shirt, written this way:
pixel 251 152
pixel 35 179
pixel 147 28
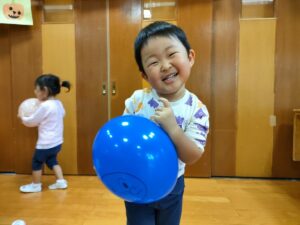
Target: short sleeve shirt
pixel 190 113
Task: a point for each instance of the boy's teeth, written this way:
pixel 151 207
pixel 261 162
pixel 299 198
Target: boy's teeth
pixel 170 76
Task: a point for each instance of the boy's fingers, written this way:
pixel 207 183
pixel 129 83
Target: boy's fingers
pixel 159 109
pixel 153 118
pixel 165 102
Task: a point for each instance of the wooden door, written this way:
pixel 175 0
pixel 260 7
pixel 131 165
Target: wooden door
pixel 195 17
pixel 224 86
pixel 106 70
pixel 91 70
pixel 58 47
pixel 20 63
pixel 124 25
pixel 6 128
pixel 254 145
pixel 26 55
pixel 287 87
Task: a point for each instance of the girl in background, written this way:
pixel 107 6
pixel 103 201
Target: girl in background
pixel 49 120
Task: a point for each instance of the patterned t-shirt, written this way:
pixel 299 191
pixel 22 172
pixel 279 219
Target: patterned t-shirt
pixel 190 113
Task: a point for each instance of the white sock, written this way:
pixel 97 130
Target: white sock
pixel 60 180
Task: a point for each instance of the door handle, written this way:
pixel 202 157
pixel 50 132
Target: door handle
pixel 104 89
pixel 113 88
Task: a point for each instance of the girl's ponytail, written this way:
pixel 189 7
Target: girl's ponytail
pixel 66 84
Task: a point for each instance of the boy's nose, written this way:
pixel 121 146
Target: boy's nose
pixel 165 65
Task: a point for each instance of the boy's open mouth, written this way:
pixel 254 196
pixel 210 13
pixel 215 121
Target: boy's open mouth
pixel 169 77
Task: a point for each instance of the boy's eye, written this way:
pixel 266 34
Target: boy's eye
pixel 153 63
pixel 172 54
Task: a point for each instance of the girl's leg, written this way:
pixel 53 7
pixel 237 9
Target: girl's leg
pixel 58 172
pixel 60 183
pixel 36 176
pixel 52 163
pixel 36 185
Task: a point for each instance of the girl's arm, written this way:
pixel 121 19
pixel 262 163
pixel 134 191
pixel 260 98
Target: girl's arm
pixel 36 118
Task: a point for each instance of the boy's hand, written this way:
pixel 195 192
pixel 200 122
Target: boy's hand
pixel 164 116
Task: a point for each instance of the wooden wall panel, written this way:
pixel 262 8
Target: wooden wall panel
pixel 58 16
pixel 224 86
pixel 6 129
pixel 287 86
pixel 125 21
pixel 91 62
pixel 195 17
pixel 26 65
pixel 58 47
pixel 255 98
pixel 257 10
pixel 165 13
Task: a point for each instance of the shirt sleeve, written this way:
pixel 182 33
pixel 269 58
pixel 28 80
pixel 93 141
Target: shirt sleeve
pixel 198 126
pixel 36 118
pixel 134 104
pixel 129 106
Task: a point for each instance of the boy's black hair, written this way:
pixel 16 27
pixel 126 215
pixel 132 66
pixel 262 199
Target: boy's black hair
pixel 157 29
pixel 52 83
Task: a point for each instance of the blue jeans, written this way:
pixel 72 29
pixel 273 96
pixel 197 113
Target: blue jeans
pixel 166 211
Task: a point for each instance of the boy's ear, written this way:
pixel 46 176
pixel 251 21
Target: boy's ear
pixel 145 77
pixel 192 56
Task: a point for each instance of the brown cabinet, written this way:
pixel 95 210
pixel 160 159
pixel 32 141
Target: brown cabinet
pixel 296 135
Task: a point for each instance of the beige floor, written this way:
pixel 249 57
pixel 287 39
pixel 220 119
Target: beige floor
pixel 206 202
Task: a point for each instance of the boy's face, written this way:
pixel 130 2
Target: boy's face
pixel 167 66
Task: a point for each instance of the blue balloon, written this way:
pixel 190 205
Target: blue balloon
pixel 135 159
